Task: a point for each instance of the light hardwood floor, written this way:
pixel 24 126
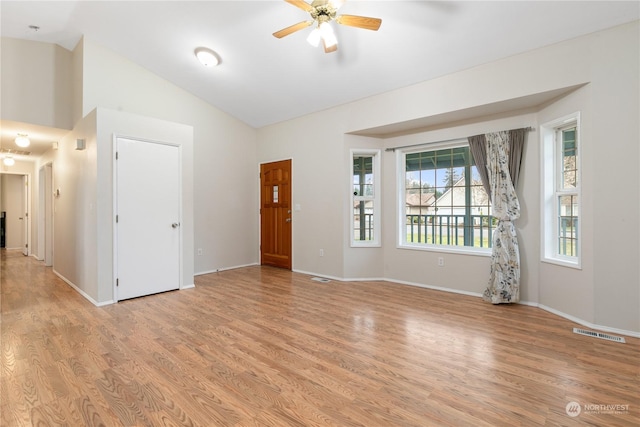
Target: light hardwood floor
pixel 266 347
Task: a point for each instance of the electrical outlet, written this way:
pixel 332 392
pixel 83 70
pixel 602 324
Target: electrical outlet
pixel 321 252
pixel 440 261
pixel 199 251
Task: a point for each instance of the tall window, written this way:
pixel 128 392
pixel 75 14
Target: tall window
pixel 443 202
pixel 561 171
pixel 365 190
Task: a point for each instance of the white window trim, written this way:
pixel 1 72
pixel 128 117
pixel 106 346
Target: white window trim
pixel 377 208
pixel 401 242
pixel 549 172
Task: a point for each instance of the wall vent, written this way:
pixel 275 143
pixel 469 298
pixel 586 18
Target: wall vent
pixel 320 279
pixel 598 335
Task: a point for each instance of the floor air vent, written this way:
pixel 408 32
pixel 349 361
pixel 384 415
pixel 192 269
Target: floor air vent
pixel 598 335
pixel 320 279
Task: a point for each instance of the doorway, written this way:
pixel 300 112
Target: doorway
pixel 275 214
pixel 148 213
pixel 14 202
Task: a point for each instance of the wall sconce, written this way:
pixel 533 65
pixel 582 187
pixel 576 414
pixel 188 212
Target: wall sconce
pixel 54 145
pixel 80 144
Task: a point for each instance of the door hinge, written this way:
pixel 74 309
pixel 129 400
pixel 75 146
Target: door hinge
pixel 117 282
pixel 116 219
pixel 116 155
pixel 26 245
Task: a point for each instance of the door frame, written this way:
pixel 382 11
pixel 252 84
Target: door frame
pixel 45 214
pixel 26 194
pixel 260 207
pixel 114 206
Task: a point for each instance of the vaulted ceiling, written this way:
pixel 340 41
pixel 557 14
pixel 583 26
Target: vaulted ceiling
pixel 264 80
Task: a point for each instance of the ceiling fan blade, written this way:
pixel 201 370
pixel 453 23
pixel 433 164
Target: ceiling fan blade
pixel 292 29
pixel 329 49
pixel 301 4
pixel 359 21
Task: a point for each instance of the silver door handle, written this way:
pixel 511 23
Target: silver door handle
pixel 175 225
pixel 288 219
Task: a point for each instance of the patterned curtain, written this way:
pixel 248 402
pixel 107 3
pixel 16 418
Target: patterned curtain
pixel 504 279
pixel 498 157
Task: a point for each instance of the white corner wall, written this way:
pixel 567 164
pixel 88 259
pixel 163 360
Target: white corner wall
pixel 115 123
pixel 225 197
pixel 75 209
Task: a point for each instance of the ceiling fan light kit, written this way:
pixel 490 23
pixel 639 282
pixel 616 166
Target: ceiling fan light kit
pixel 322 12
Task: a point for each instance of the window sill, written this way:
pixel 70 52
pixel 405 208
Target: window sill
pixel 366 245
pixel 485 252
pixel 563 262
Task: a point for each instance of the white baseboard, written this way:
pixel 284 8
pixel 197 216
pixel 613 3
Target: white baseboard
pixel 588 324
pixel 217 270
pixel 454 291
pixel 81 292
pixel 188 286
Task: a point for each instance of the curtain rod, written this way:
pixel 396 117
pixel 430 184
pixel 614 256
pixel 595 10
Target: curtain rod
pixel 528 129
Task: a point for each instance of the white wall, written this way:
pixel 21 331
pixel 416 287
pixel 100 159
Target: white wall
pixel 224 191
pixel 74 209
pixel 315 143
pixel 36 83
pixel 605 292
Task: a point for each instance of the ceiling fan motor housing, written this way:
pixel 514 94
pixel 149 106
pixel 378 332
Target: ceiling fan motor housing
pixel 323 12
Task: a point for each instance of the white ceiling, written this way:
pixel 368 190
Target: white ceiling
pixel 264 80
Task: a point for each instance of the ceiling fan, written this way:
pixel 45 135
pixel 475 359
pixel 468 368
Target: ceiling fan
pixel 323 12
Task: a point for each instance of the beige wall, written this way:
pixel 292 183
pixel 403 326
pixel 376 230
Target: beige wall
pixel 36 83
pixel 606 291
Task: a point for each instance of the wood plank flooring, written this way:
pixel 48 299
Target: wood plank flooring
pixel 266 347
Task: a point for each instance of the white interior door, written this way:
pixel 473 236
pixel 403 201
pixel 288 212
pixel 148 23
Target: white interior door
pixel 148 232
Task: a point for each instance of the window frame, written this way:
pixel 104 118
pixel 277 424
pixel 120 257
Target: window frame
pixel 401 238
pixel 375 155
pixel 552 190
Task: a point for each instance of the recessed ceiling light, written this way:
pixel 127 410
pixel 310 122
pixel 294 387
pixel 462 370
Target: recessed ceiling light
pixel 207 57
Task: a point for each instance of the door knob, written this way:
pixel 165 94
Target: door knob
pixel 175 225
pixel 288 219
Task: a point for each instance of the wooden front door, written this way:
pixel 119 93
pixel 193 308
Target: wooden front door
pixel 275 214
